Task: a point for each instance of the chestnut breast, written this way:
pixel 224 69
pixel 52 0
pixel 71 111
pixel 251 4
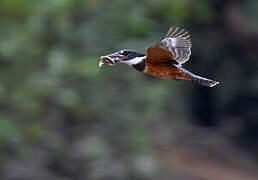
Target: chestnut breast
pixel 165 71
pixel 162 70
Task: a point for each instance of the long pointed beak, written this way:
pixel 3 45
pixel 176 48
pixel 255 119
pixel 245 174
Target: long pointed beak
pixel 111 59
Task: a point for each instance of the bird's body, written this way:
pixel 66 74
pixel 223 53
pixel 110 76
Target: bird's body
pixel 163 60
pixel 165 70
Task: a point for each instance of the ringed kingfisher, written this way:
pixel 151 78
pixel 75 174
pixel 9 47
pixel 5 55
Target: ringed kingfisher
pixel 163 60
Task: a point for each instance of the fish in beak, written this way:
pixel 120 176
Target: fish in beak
pixel 111 59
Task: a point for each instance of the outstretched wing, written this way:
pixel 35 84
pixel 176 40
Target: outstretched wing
pixel 176 46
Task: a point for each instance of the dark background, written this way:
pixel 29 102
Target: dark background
pixel 62 117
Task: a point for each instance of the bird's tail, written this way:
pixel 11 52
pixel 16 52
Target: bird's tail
pixel 198 79
pixel 205 81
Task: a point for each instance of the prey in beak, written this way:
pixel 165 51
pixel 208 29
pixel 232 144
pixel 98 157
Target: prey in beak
pixel 111 59
pixel 106 59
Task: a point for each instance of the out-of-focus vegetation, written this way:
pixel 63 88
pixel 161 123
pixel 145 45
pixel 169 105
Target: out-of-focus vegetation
pixel 61 117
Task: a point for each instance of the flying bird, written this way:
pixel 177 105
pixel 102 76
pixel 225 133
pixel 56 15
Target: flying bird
pixel 163 60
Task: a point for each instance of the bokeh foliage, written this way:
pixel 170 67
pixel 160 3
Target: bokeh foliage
pixel 83 122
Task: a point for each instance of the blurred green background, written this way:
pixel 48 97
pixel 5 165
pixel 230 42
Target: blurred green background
pixel 61 117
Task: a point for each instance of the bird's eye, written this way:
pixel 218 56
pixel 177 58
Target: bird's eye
pixel 125 53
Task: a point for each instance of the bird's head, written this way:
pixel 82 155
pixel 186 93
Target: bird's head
pixel 126 56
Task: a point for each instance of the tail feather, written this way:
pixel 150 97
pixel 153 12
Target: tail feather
pixel 205 81
pixel 198 79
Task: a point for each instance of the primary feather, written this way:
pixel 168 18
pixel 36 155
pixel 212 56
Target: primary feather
pixel 177 42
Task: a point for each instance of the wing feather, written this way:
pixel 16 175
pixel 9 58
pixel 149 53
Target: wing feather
pixel 176 46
